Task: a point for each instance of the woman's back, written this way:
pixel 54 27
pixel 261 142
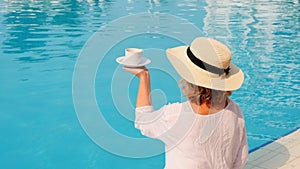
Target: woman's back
pixel 197 141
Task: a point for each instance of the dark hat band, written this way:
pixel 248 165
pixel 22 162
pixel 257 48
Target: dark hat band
pixel 204 65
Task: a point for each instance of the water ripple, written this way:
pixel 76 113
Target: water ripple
pixel 40 41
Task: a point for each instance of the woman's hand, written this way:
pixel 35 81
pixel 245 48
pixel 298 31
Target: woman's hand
pixel 139 72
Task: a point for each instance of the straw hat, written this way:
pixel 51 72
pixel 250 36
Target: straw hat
pixel 207 63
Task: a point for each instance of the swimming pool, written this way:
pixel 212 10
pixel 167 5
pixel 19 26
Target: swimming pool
pixel 41 41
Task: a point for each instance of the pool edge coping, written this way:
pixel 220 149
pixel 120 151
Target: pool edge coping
pixel 269 142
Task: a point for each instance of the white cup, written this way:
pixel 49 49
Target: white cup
pixel 133 56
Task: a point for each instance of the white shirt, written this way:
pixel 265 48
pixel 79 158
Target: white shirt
pixel 193 141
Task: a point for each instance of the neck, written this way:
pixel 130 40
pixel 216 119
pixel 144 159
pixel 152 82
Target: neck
pixel 206 109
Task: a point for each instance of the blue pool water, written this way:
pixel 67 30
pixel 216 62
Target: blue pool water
pixel 40 42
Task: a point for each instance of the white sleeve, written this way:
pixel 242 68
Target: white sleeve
pixel 242 155
pixel 153 123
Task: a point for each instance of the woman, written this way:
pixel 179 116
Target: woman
pixel 208 130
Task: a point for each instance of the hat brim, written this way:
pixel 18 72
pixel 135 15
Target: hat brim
pixel 200 77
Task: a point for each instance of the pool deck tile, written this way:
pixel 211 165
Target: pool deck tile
pixel 283 153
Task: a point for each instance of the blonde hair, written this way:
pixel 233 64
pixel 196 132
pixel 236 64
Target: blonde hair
pixel 200 95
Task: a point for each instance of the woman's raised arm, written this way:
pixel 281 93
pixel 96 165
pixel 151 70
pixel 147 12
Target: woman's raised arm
pixel 144 91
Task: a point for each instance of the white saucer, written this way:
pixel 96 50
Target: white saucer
pixel 144 61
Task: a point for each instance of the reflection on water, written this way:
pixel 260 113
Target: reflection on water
pixel 38 30
pixel 46 29
pixel 264 38
pixel 40 41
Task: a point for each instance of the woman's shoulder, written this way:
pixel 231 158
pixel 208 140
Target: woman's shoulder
pixel 172 109
pixel 175 107
pixel 235 110
pixel 233 117
pixel 171 113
